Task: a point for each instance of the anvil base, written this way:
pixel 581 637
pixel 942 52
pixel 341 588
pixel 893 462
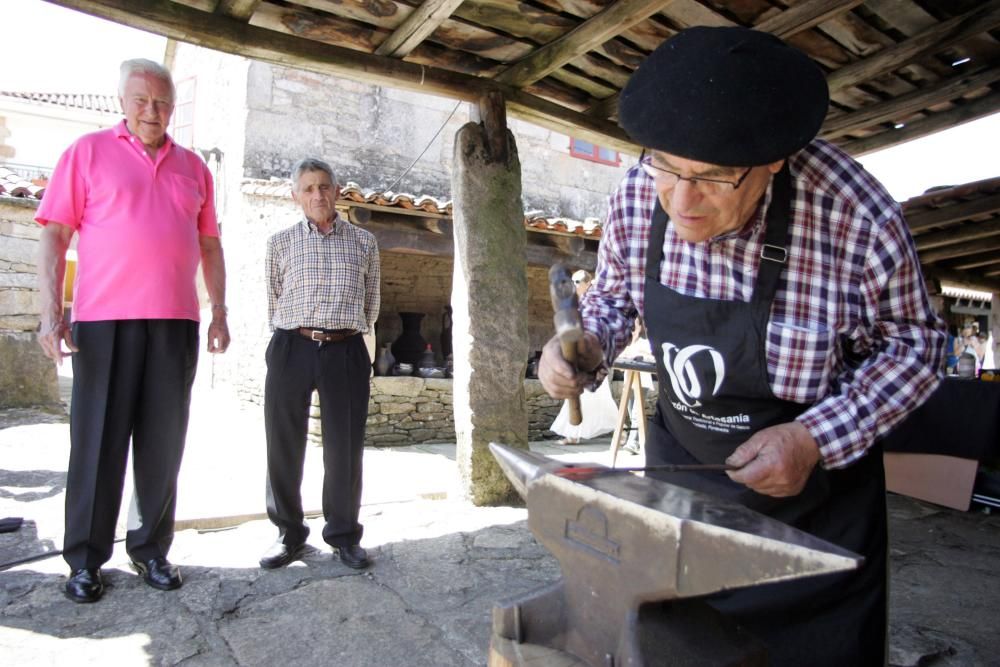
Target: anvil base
pixel 686 632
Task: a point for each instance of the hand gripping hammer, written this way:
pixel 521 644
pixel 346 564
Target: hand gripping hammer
pixel 569 326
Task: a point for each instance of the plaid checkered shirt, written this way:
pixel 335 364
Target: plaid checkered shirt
pixel 323 281
pixel 852 333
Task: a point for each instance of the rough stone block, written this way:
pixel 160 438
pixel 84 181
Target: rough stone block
pixel 28 377
pixel 399 386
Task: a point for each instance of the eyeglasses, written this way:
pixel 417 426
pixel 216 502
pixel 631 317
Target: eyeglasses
pixel 708 186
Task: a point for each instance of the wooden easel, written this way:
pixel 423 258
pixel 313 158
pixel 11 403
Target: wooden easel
pixel 631 385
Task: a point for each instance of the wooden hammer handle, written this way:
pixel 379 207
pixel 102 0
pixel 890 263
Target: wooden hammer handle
pixel 569 354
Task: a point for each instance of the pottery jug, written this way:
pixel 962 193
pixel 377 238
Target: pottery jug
pixel 410 345
pixel 427 359
pixel 384 361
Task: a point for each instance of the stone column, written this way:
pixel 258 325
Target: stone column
pixel 490 303
pixel 27 376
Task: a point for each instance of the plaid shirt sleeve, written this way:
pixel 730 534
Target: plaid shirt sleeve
pixel 273 278
pixel 611 305
pixel 373 284
pixel 902 352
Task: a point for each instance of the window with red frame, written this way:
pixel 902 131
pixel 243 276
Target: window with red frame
pixel 588 151
pixel 182 123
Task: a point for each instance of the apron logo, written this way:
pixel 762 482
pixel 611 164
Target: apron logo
pixel 680 365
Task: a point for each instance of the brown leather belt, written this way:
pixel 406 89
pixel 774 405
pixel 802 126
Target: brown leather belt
pixel 326 336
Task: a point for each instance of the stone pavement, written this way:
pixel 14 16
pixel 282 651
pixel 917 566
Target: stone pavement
pixel 440 565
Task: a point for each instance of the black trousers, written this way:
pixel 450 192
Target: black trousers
pixel 340 373
pixel 131 380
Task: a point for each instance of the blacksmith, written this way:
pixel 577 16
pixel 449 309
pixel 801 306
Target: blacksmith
pixel 786 310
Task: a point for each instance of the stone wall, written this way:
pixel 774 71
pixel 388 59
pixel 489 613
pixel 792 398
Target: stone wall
pixel 408 410
pixel 372 134
pixel 27 377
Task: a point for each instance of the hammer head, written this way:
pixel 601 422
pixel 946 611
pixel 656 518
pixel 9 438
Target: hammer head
pixel 565 305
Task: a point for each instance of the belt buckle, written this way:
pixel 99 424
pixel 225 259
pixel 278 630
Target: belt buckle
pixel 316 332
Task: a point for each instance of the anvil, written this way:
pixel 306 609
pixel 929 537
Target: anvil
pixel 636 554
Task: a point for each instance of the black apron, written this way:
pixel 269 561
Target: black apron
pixel 713 395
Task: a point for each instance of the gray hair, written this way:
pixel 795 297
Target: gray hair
pixel 142 66
pixel 311 164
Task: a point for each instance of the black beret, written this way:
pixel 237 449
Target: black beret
pixel 727 96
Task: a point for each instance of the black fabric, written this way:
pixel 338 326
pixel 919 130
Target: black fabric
pixel 131 379
pixel 961 418
pixel 340 372
pixel 727 96
pixel 830 620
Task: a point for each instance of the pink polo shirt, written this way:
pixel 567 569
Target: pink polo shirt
pixel 138 224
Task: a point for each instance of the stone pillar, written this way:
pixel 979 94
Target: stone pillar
pixel 490 303
pixel 27 376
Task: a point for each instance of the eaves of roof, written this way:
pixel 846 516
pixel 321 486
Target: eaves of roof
pixel 352 193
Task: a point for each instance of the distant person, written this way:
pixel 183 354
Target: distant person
pixel 144 212
pixel 637 349
pixel 954 349
pixel 323 277
pixel 597 408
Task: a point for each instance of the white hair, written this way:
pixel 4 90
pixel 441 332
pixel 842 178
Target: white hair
pixel 311 164
pixel 142 66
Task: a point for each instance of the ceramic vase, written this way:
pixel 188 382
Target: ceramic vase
pixel 410 345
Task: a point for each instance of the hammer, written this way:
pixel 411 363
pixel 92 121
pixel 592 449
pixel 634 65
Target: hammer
pixel 569 326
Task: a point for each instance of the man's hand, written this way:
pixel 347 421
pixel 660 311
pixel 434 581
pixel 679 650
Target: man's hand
pixel 776 461
pixel 558 377
pixel 52 334
pixel 218 332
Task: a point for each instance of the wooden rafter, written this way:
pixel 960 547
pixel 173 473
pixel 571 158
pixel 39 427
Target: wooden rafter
pixel 980 108
pixel 963 280
pixel 979 230
pixel 930 41
pixel 805 15
pixel 937 217
pixel 954 250
pixel 595 31
pixel 905 105
pixel 422 22
pixel 222 33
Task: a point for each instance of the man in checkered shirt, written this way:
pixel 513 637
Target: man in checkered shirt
pixel 323 289
pixel 786 311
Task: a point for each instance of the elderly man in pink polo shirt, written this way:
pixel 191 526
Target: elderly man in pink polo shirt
pixel 143 210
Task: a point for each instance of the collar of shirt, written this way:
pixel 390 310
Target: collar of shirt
pixel 337 228
pixel 121 131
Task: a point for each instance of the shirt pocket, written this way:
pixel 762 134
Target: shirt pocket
pixel 185 195
pixel 799 359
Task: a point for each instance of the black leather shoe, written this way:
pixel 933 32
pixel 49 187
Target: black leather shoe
pixel 354 556
pixel 158 573
pixel 281 554
pixel 85 585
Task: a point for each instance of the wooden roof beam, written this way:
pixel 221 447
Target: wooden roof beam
pixel 924 220
pixel 214 31
pixel 804 16
pixel 617 18
pixel 927 43
pixel 962 280
pixel 979 230
pixel 908 104
pixel 424 20
pixel 942 120
pixel 967 249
